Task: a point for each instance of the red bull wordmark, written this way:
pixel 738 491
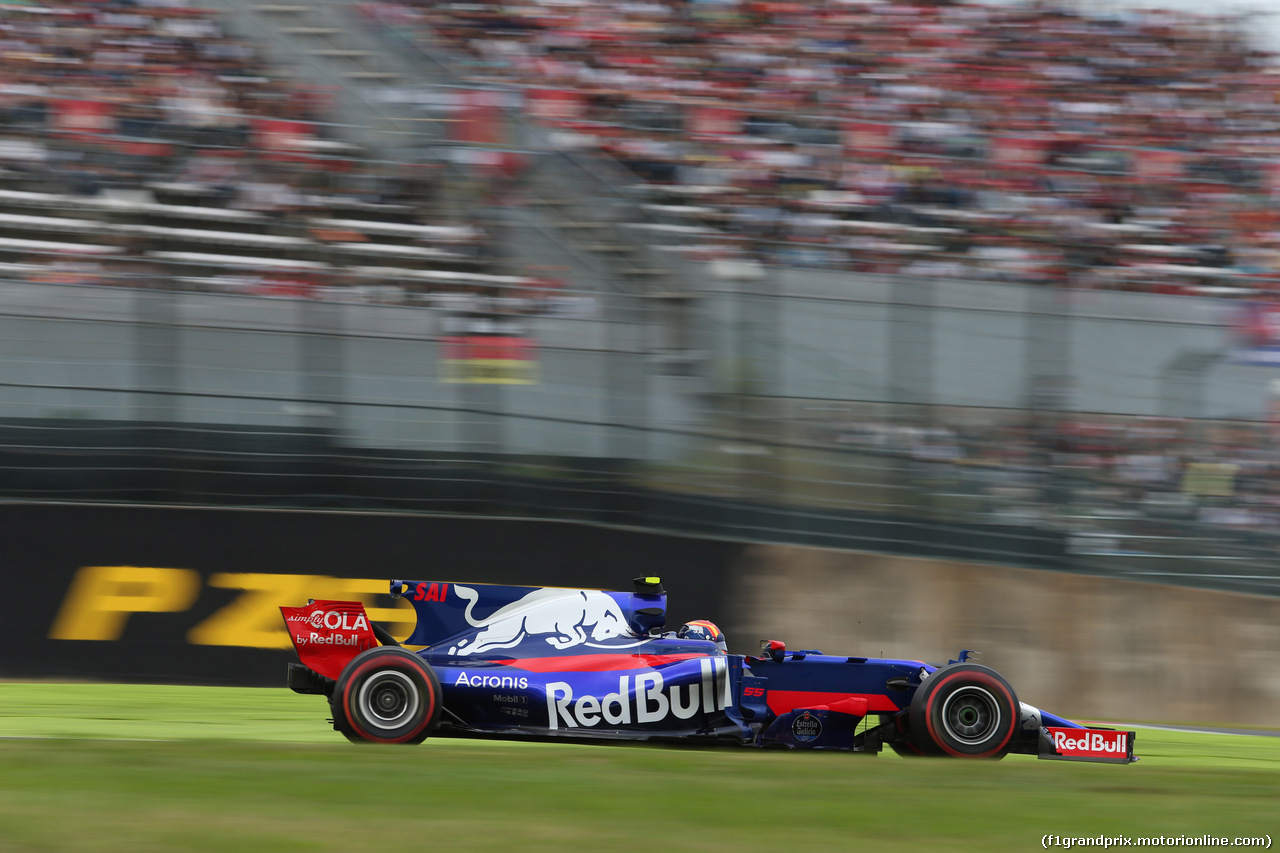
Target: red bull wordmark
pixel 643 698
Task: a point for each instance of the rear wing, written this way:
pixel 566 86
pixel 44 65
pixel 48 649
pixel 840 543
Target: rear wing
pixel 328 634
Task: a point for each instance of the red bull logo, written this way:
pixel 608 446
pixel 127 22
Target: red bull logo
pixel 643 698
pixel 317 638
pixel 1090 742
pixel 562 617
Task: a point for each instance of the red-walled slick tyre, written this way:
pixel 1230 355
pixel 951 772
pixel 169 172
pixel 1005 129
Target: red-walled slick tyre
pixel 386 695
pixel 964 710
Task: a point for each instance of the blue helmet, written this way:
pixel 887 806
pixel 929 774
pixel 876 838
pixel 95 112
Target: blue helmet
pixel 702 629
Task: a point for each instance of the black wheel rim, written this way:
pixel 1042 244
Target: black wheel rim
pixel 971 715
pixel 388 700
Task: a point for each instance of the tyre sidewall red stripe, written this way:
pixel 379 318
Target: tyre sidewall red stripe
pixel 379 663
pixel 985 680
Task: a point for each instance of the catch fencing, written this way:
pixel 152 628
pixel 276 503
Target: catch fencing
pixel 891 415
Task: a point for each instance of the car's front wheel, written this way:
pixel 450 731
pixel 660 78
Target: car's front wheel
pixel 964 710
pixel 386 695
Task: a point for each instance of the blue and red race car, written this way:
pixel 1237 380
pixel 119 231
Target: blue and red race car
pixel 542 662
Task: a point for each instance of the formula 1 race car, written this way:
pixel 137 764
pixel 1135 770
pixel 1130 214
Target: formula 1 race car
pixel 541 662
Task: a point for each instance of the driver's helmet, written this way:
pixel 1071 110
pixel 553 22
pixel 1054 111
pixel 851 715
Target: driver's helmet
pixel 702 629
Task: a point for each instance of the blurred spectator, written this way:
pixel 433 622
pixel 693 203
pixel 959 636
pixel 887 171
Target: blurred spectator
pixel 1050 136
pixel 134 102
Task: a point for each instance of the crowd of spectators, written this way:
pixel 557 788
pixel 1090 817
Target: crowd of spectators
pixel 1088 473
pixel 139 79
pixel 149 100
pixel 1025 142
pixel 1035 142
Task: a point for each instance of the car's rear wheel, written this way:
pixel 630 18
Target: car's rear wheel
pixel 386 695
pixel 966 711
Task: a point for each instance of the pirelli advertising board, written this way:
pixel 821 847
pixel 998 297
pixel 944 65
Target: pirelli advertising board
pixel 193 595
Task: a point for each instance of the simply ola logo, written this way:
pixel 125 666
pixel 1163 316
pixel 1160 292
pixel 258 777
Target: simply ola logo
pixel 334 620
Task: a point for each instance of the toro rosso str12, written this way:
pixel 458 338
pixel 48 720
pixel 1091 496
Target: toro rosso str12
pixel 542 662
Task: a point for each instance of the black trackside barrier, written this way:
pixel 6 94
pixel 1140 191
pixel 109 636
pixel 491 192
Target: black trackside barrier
pixel 298 468
pixel 132 593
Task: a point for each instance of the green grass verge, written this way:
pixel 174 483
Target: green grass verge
pixel 107 768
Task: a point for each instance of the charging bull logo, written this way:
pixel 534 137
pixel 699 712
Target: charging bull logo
pixel 563 617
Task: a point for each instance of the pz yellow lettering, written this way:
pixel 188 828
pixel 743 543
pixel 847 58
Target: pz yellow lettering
pixel 102 598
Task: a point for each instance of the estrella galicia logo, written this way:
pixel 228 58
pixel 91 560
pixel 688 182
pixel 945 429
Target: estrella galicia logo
pixel 806 727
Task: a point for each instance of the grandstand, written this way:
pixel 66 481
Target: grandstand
pixel 737 128
pixel 220 177
pixel 869 276
pixel 972 137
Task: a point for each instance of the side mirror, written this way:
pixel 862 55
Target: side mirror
pixel 773 649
